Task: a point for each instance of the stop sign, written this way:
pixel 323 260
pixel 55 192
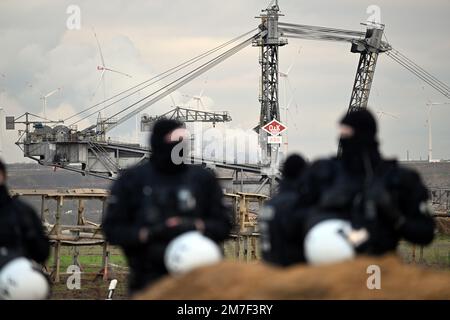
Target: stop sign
pixel 274 127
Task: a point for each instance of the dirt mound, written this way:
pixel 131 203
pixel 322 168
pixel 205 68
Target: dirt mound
pixel 348 280
pixel 443 225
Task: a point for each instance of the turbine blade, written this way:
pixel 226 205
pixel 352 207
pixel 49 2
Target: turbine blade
pixel 293 63
pixel 392 115
pixel 119 72
pixel 292 91
pixel 99 47
pixel 99 83
pixel 203 89
pixel 52 93
pixel 173 101
pixel 290 68
pixel 289 103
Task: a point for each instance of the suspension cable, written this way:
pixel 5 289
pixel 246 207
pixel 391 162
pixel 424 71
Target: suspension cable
pixel 318 29
pixel 160 77
pixel 421 70
pixel 165 86
pixel 180 82
pixel 418 74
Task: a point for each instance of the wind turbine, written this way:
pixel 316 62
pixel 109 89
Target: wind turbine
pixel 285 77
pixel 287 113
pixel 103 68
pixel 198 98
pixel 44 100
pixel 430 146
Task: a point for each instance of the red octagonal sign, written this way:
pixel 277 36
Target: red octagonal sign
pixel 274 127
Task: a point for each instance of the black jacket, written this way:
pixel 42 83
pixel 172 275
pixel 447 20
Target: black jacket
pixel 145 197
pixel 278 246
pixel 329 190
pixel 21 231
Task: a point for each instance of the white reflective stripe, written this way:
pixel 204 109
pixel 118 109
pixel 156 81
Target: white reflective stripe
pixel 426 208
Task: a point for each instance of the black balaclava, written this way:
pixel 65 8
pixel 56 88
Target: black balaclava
pixel 4 194
pixel 363 145
pixel 292 169
pixel 161 149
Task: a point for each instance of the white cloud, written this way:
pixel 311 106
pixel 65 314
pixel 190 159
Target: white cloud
pixel 143 38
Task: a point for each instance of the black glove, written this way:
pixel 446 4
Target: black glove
pixel 156 231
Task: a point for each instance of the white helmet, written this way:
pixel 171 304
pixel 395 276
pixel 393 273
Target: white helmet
pixel 21 280
pixel 189 251
pixel 327 242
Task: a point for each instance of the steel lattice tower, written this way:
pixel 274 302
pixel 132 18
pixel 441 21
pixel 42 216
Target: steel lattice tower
pixel 269 42
pixel 366 68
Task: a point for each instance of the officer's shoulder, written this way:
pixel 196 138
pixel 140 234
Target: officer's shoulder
pixel 134 171
pixel 283 198
pixel 404 174
pixel 408 175
pixel 21 205
pixel 201 172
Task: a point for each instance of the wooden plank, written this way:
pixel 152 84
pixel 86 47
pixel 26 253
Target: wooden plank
pixel 60 237
pixel 70 193
pixel 253 195
pixel 57 262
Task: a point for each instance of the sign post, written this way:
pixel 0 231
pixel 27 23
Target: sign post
pixel 274 128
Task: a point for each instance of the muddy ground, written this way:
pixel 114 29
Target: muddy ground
pixel 348 280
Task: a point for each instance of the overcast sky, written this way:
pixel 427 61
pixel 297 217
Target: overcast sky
pixel 142 38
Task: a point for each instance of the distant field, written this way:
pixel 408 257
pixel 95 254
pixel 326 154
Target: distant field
pixel 92 285
pixel 436 255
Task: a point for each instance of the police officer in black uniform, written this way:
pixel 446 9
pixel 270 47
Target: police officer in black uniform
pixel 279 245
pixel 21 231
pixel 153 203
pixel 379 196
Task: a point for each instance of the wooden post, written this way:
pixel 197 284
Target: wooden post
pixel 75 259
pixel 245 248
pixel 43 220
pixel 57 253
pixel 106 252
pixel 42 208
pixel 447 202
pixel 241 213
pixel 80 216
pixel 237 247
pixel 105 261
pixel 253 241
pixel 57 261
